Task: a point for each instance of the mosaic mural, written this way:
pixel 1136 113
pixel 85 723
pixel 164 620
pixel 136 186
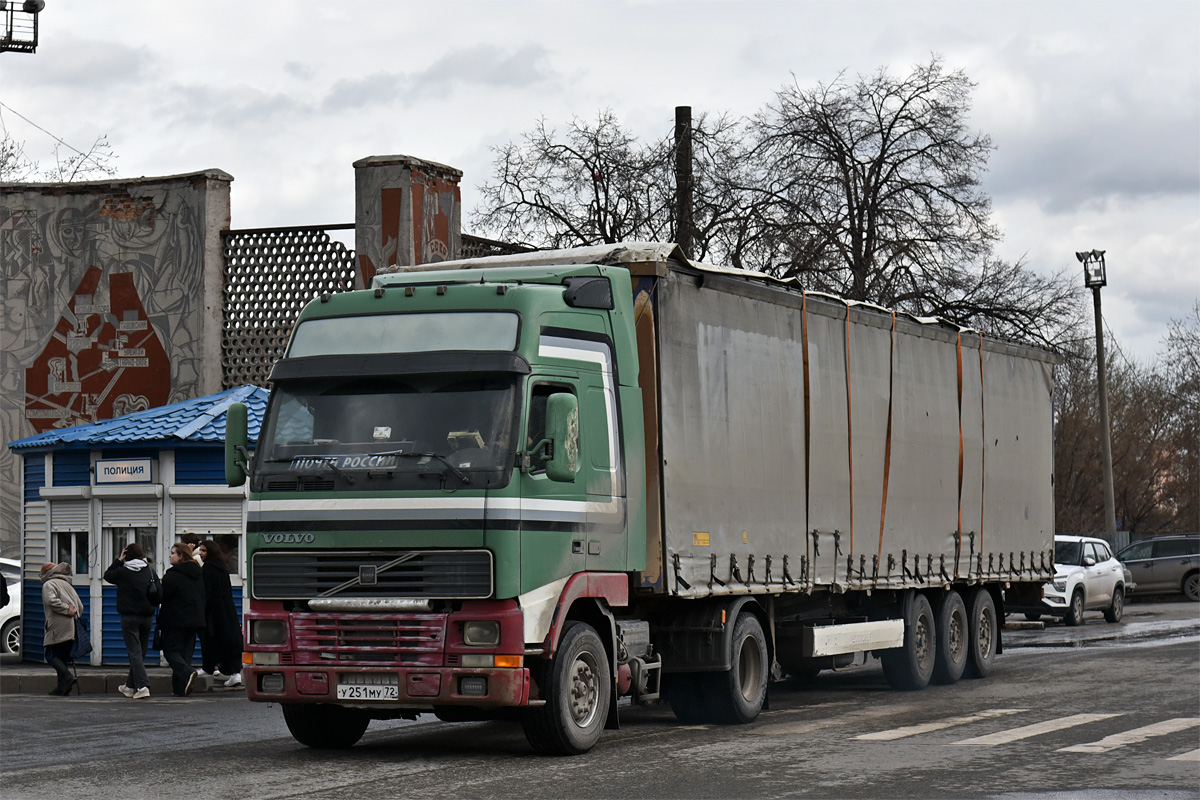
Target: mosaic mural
pixel 106 304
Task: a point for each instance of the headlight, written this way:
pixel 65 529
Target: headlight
pixel 1060 584
pixel 483 633
pixel 268 631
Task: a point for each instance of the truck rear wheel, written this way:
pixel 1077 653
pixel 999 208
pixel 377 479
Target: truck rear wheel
pixel 577 687
pixel 952 639
pixel 738 695
pixel 325 727
pixel 983 633
pixel 910 666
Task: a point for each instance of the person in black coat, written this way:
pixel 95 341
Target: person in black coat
pixel 182 616
pixel 132 575
pixel 221 641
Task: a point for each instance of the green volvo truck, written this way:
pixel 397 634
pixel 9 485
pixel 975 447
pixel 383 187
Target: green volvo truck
pixel 526 486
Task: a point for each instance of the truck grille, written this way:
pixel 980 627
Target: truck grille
pixel 433 574
pixel 410 639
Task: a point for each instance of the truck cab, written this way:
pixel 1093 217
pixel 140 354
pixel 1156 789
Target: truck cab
pixel 444 462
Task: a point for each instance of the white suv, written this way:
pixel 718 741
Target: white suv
pixel 1086 578
pixel 10 615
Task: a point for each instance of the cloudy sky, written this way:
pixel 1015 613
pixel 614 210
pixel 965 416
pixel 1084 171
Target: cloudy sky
pixel 1094 106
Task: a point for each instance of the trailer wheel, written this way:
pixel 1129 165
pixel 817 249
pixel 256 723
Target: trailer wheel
pixel 952 639
pixel 325 727
pixel 685 693
pixel 910 667
pixel 983 634
pixel 738 695
pixel 577 687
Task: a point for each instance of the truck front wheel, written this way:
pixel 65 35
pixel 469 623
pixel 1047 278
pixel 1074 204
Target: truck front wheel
pixel 738 695
pixel 577 688
pixel 325 727
pixel 910 666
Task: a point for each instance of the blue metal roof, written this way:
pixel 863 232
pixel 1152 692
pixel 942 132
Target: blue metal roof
pixel 200 420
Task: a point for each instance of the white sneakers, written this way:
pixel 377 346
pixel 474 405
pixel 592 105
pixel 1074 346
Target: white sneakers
pixel 128 691
pixel 234 680
pixel 140 693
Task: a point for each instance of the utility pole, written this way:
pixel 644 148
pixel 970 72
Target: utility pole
pixel 683 179
pixel 1094 278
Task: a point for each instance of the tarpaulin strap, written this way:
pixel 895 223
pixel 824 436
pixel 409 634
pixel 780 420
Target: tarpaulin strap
pixel 983 435
pixel 679 581
pixel 767 580
pixel 849 431
pixel 712 572
pixel 735 572
pixel 749 569
pixel 807 425
pixel 887 447
pixel 958 533
pixel 787 579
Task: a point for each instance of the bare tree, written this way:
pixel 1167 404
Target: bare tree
pixel 1153 411
pixel 595 185
pixel 69 164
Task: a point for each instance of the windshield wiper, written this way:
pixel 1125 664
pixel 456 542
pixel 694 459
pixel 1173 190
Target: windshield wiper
pixel 458 473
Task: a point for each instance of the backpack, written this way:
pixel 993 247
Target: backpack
pixel 154 589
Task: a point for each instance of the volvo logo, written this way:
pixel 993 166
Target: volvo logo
pixel 367 575
pixel 289 538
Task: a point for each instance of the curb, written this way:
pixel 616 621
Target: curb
pixel 40 681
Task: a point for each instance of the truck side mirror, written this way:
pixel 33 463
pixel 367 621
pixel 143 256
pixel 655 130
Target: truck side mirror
pixel 236 454
pixel 562 428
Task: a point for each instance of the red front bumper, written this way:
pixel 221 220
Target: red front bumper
pixel 416 687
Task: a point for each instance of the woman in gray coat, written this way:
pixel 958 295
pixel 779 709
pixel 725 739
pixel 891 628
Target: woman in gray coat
pixel 61 604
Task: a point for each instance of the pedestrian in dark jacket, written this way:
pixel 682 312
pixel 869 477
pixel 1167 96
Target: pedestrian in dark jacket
pixel 181 617
pixel 133 575
pixel 221 641
pixel 61 604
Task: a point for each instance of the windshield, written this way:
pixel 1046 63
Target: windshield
pixel 388 433
pixel 1068 553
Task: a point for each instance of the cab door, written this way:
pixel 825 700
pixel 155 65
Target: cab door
pixel 553 515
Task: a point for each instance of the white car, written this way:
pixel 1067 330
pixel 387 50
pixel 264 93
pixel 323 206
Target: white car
pixel 10 615
pixel 1087 577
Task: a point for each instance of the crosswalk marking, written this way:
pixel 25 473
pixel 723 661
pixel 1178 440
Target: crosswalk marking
pixel 1027 731
pixel 1133 736
pixel 937 725
pixel 1191 755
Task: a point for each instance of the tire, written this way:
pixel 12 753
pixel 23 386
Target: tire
pixel 577 687
pixel 325 727
pixel 953 639
pixel 1032 616
pixel 686 696
pixel 983 635
pixel 1191 586
pixel 910 667
pixel 737 696
pixel 1075 609
pixel 10 638
pixel 1117 609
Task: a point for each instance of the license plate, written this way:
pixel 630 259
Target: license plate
pixel 354 692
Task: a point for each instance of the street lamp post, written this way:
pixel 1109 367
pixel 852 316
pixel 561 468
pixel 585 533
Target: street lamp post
pixel 1094 278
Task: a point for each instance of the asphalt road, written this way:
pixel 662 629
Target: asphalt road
pixel 1016 734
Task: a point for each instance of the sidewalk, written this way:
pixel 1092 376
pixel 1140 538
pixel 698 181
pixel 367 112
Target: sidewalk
pixel 33 678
